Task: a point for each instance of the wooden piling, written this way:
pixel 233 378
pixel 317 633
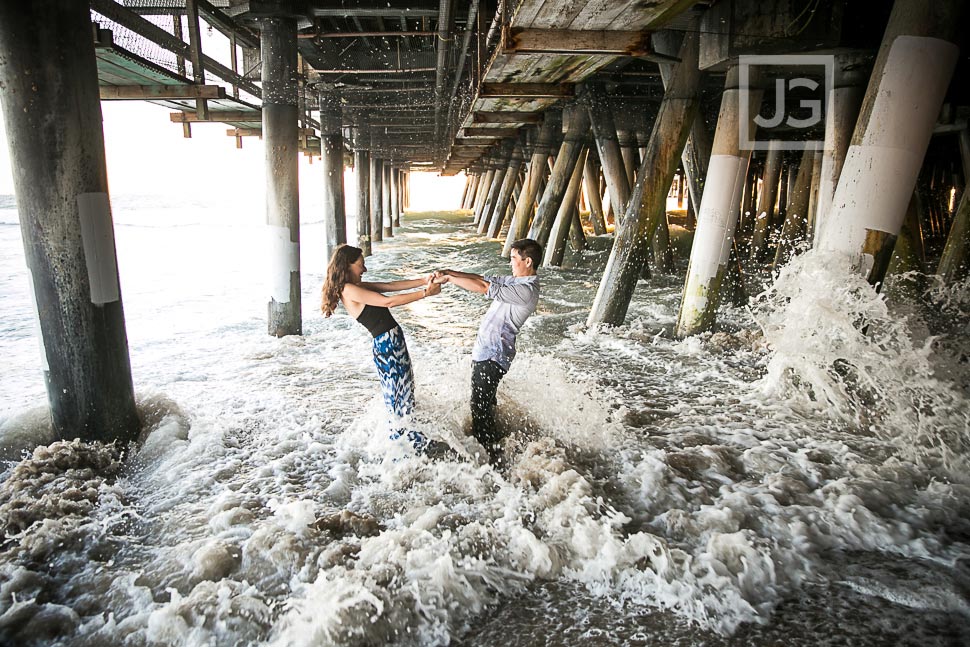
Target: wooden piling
pixel 576 123
pixel 362 166
pixel 954 262
pixel 717 216
pixel 394 215
pixel 796 220
pixel 483 188
pixel 387 217
pixel 555 250
pixel 52 116
pixel 376 226
pixel 277 37
pixel 766 201
pixel 607 147
pixel 657 169
pixel 909 80
pixel 534 180
pixel 332 152
pixel 591 173
pixel 505 192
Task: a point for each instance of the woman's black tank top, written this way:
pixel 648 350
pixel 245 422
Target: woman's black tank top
pixel 376 319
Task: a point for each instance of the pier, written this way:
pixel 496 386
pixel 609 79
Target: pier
pixel 606 105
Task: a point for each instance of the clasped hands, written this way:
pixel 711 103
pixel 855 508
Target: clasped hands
pixel 434 282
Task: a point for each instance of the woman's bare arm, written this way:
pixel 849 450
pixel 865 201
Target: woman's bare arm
pixel 394 286
pixel 361 294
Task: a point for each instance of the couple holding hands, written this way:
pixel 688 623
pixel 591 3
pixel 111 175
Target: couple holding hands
pixel 513 297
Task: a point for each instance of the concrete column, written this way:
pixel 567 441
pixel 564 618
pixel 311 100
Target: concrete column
pixel 555 250
pixel 376 188
pixel 395 213
pixel 576 123
pixel 909 80
pixel 362 165
pixel 332 152
pixel 277 38
pixel 766 201
pixel 629 253
pixel 52 116
pixel 717 216
pixel 841 112
pixel 535 174
pixel 796 220
pixel 591 174
pixel 386 216
pixel 608 147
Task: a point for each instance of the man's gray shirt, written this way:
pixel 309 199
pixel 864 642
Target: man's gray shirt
pixel 514 299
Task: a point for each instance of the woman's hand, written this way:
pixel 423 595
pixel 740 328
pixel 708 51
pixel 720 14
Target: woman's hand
pixel 440 276
pixel 432 289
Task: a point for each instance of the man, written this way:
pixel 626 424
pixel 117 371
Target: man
pixel 514 298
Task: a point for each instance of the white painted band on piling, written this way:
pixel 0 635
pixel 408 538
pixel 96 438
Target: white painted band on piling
pixel 284 258
pixel 37 329
pixel 97 237
pixel 717 216
pixel 880 172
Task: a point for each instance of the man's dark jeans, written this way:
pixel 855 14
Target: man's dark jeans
pixel 485 378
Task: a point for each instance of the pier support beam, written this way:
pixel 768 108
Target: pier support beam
pixel 362 167
pixel 634 233
pixel 840 116
pixel 277 38
pixel 501 164
pixel 387 219
pixel 796 220
pixel 766 201
pixel 376 172
pixel 534 179
pixel 555 250
pixel 909 80
pixel 954 262
pixel 591 184
pixel 718 213
pixel 483 188
pixel 52 116
pixel 332 151
pixel 608 147
pixel 505 194
pixel 576 122
pixel 395 214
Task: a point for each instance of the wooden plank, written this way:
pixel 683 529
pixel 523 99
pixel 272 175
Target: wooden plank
pixel 142 92
pixel 527 90
pixel 245 132
pixel 567 41
pixel 506 118
pixel 223 116
pixel 493 133
pixel 558 15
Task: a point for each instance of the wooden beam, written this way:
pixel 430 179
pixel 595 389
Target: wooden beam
pixel 527 90
pixel 493 133
pixel 245 132
pixel 410 70
pixel 506 118
pixel 217 117
pixel 147 92
pixel 361 34
pixel 569 41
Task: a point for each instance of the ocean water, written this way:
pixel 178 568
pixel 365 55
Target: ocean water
pixel 798 478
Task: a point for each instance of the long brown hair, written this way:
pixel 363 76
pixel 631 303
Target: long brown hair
pixel 338 275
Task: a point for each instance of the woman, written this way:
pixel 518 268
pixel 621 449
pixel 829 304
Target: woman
pixel 366 303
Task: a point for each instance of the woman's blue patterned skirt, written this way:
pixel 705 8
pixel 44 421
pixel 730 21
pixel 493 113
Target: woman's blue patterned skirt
pixel 397 383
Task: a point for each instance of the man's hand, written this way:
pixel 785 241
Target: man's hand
pixel 440 276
